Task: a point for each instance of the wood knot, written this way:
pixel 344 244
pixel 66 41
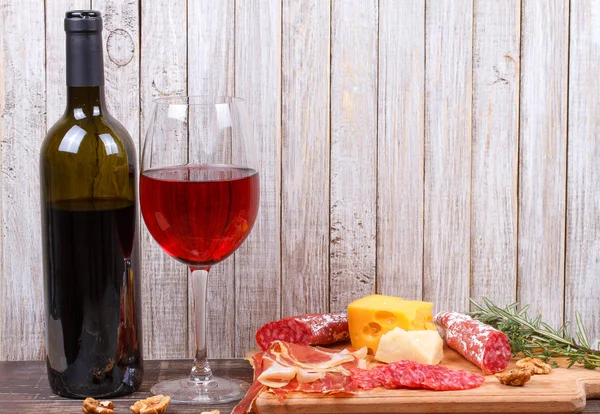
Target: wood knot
pixel 166 83
pixel 120 47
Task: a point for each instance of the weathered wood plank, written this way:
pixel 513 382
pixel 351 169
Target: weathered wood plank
pixel 24 387
pixel 258 81
pixel 305 157
pixel 353 178
pixel 56 77
pixel 210 72
pixel 448 87
pixel 122 62
pixel 22 127
pixel 583 172
pixel 164 281
pixel 495 149
pixel 401 107
pixel 542 163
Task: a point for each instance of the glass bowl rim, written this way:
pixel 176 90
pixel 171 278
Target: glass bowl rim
pixel 197 100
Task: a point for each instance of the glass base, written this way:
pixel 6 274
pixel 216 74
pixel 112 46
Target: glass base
pixel 217 390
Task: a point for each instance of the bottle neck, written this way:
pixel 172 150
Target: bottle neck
pixel 85 63
pixel 85 74
pixel 85 101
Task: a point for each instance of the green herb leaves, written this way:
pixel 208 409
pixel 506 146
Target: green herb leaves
pixel 533 337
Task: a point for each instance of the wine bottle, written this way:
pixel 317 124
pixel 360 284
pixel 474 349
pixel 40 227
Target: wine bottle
pixel 88 169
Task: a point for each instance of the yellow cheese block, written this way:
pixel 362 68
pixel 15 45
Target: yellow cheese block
pixel 372 316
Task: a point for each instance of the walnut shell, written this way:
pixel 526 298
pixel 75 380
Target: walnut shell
pixel 153 405
pixel 535 365
pixel 514 377
pixel 92 406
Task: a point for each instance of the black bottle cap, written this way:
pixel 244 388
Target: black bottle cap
pixel 85 64
pixel 83 21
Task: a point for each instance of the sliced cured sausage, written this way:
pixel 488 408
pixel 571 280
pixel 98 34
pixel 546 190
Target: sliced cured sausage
pixel 483 345
pixel 410 374
pixel 311 329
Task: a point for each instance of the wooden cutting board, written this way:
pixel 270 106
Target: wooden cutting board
pixel 562 391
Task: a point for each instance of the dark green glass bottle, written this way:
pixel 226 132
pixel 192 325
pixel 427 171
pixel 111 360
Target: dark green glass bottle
pixel 88 171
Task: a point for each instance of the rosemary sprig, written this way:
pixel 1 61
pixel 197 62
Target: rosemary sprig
pixel 533 337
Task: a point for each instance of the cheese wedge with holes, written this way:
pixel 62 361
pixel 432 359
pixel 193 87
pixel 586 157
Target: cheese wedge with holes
pixel 374 315
pixel 425 347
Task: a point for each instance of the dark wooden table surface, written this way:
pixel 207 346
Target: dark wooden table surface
pixel 24 387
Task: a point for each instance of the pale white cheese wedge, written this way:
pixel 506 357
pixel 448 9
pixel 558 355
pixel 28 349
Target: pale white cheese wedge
pixel 425 347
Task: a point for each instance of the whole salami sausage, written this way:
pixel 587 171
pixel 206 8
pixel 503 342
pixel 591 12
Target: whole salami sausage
pixel 483 345
pixel 311 329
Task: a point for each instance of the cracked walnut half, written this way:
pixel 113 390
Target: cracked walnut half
pixel 535 365
pixel 154 405
pixel 92 406
pixel 514 377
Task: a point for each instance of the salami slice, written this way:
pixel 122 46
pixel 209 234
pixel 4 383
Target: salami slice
pixel 410 374
pixel 311 329
pixel 483 345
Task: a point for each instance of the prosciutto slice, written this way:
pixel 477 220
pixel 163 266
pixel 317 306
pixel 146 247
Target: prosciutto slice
pixel 246 403
pixel 286 367
pixel 332 383
pixel 285 361
pixel 318 359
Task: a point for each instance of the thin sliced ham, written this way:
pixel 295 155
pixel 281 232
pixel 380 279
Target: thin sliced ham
pixel 315 359
pixel 333 384
pixel 284 361
pixel 246 403
pixel 286 367
pixel 277 375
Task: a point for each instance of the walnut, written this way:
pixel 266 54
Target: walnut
pixel 514 377
pixel 535 365
pixel 153 405
pixel 91 406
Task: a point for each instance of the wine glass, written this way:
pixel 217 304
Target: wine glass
pixel 199 196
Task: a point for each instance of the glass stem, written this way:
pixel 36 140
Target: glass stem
pixel 201 371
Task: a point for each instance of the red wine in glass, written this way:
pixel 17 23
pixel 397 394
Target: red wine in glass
pixel 199 195
pixel 199 214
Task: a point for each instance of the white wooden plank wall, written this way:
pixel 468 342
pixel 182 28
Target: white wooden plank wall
pixel 582 289
pixel 439 150
pixel 22 125
pixel 163 72
pixel 495 144
pixel 400 155
pixel 352 248
pixel 543 155
pixel 447 199
pixel 305 156
pixel 258 80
